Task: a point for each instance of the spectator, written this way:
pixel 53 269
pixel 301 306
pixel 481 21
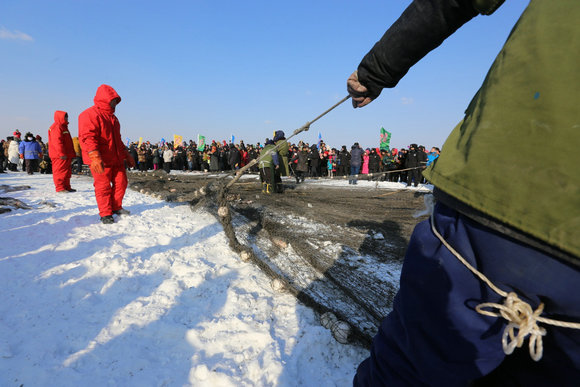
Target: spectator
pixel 343 161
pixel 142 158
pixel 3 156
pixel 365 164
pixel 30 152
pixel 412 163
pixel 13 153
pixel 235 158
pixel 167 158
pixel 314 161
pixel 433 155
pixel 356 155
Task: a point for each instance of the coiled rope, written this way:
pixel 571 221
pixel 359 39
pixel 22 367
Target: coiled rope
pixel 521 317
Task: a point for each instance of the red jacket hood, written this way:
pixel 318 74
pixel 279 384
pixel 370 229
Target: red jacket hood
pixel 59 118
pixel 105 94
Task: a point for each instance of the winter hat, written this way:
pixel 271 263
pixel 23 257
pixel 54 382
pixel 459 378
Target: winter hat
pixel 38 138
pixel 16 133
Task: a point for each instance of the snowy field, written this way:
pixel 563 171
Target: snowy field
pixel 156 299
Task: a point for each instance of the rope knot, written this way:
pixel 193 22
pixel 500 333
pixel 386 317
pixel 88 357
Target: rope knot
pixel 522 321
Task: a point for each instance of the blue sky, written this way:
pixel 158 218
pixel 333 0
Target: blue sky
pixel 245 68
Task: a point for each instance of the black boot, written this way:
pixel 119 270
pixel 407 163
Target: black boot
pixel 107 219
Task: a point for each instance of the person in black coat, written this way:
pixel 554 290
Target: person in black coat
pixel 300 162
pixel 374 161
pixel 356 154
pixel 343 160
pixel 314 159
pixel 234 158
pixel 413 161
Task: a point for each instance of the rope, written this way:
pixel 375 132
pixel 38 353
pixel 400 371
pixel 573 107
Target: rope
pixel 303 128
pixel 361 176
pixel 522 319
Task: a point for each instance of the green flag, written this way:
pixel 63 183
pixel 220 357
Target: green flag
pixel 200 143
pixel 385 139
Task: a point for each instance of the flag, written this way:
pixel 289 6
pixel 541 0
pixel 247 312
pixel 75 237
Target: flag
pixel 385 140
pixel 162 143
pixel 319 140
pixel 233 139
pixel 177 140
pixel 200 143
pixel 140 141
pixel 128 142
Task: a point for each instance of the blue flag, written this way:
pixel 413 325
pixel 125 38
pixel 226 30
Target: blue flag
pixel 233 139
pixel 319 140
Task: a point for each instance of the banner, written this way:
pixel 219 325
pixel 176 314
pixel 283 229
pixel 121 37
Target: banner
pixel 385 140
pixel 140 141
pixel 177 140
pixel 200 143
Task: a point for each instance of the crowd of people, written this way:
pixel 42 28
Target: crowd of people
pixel 303 159
pixel 31 154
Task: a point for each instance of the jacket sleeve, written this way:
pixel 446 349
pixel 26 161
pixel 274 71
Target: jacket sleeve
pixel 423 26
pixel 89 132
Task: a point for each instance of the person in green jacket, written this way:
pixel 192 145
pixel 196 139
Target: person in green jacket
pixel 497 264
pixel 269 168
pixel 283 151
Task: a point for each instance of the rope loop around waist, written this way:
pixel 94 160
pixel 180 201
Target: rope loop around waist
pixel 522 319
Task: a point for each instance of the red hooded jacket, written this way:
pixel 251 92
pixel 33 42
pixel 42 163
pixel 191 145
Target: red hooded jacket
pixel 99 129
pixel 60 142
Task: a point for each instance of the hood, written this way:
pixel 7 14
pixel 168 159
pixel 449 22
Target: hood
pixel 278 135
pixel 269 142
pixel 105 94
pixel 59 117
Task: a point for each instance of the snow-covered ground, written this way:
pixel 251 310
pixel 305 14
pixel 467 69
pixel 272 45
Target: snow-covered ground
pixel 156 299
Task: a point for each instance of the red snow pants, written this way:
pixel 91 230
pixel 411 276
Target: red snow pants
pixel 61 173
pixel 110 189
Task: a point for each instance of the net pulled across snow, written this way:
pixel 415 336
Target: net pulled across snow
pixel 338 250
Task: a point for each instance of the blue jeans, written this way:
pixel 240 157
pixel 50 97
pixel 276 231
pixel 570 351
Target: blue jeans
pixel 354 170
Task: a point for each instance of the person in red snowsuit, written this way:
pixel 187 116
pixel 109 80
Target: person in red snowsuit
pixel 61 152
pixel 104 151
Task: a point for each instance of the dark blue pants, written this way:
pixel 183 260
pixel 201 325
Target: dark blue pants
pixel 434 336
pixel 354 170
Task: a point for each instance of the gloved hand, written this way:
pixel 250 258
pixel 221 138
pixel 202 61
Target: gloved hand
pixel 130 161
pixel 96 162
pixel 359 93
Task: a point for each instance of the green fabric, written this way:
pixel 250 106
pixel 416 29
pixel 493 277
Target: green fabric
pixel 267 160
pixel 515 154
pixel 283 152
pixel 385 139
